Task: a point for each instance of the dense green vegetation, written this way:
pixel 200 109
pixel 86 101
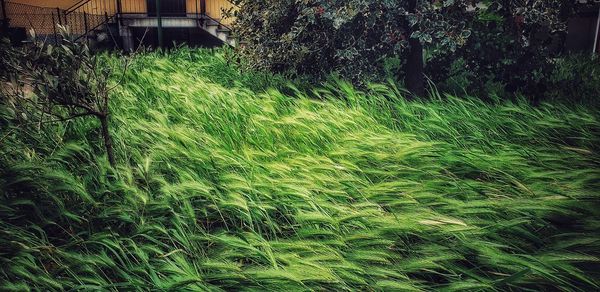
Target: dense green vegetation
pixel 233 187
pixel 507 44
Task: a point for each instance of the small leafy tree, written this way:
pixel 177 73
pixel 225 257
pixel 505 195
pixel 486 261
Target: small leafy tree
pixel 67 81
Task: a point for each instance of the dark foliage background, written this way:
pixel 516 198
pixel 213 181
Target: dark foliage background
pixel 486 48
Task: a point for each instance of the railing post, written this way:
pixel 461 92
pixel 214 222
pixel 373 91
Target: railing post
pixel 58 14
pixel 119 11
pixel 203 6
pixel 54 28
pixel 4 17
pixel 597 30
pixel 159 24
pixel 85 25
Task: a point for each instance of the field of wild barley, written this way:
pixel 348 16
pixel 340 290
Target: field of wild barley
pixel 223 184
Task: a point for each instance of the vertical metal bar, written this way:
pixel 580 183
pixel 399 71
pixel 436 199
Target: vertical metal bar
pixel 597 31
pixel 159 24
pixel 203 6
pixel 58 14
pixel 3 3
pixel 85 25
pixel 4 16
pixel 119 11
pixel 54 28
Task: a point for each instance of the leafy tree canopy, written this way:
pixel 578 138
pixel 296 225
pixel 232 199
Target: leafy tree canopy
pixel 355 37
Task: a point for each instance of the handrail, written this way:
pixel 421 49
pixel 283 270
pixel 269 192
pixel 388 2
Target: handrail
pixel 216 20
pixel 76 6
pixel 107 20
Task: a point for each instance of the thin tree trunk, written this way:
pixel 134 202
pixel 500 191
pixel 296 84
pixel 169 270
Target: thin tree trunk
pixel 415 76
pixel 414 70
pixel 107 140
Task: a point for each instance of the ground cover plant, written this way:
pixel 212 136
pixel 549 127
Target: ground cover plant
pixel 221 187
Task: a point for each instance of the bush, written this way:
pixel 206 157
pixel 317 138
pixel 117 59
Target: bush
pixel 58 83
pixel 509 51
pixel 575 78
pixel 350 38
pixel 508 44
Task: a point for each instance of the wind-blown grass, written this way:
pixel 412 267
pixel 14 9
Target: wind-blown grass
pixel 226 188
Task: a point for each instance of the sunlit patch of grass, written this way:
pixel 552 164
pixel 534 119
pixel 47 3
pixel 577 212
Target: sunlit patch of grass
pixel 237 189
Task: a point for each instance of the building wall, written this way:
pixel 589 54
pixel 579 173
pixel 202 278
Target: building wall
pixel 134 6
pixel 214 10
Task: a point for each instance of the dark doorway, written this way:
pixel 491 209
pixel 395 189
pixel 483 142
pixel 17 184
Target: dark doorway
pixel 169 8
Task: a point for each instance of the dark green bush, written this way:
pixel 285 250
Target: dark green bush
pixel 510 51
pixel 575 77
pixel 497 44
pixel 349 38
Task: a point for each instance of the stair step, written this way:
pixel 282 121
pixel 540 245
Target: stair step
pixel 211 22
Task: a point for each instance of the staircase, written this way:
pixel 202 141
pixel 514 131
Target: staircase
pixel 87 19
pixel 204 14
pixel 94 20
pixel 45 21
pixel 218 30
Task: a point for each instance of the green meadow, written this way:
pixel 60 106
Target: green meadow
pixel 231 181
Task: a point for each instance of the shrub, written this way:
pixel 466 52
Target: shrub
pixel 510 45
pixel 350 38
pixel 575 78
pixel 57 83
pixel 504 42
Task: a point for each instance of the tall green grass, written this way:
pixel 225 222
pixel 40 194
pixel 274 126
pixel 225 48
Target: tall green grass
pixel 238 188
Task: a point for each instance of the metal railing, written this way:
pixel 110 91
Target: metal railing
pixel 76 5
pixel 85 16
pixel 44 21
pixel 212 8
